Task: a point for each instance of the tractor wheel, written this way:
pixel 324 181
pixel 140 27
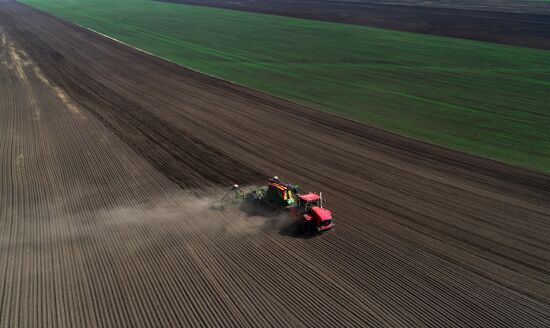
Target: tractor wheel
pixel 310 227
pixel 306 227
pixel 302 226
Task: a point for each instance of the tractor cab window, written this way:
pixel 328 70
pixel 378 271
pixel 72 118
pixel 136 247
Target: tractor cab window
pixel 309 205
pixel 313 203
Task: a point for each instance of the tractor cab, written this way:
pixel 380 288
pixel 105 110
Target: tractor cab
pixel 307 201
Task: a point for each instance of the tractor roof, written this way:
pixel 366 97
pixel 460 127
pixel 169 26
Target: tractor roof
pixel 311 197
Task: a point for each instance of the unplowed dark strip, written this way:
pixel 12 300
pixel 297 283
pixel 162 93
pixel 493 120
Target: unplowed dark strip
pixel 460 19
pixel 97 139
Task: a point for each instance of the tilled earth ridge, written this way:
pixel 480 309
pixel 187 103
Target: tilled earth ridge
pixel 105 156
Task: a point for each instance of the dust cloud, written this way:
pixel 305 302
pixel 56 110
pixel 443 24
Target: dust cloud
pixel 81 219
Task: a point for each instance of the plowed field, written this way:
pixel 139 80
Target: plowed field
pixel 110 157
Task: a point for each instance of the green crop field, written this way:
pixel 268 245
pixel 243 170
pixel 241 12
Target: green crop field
pixel 482 98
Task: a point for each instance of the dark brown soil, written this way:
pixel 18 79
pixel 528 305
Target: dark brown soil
pixel 518 23
pixel 103 147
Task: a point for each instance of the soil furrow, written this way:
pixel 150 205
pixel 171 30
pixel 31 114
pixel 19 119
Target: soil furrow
pixel 110 160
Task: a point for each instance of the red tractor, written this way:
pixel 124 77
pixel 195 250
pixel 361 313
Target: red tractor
pixel 306 209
